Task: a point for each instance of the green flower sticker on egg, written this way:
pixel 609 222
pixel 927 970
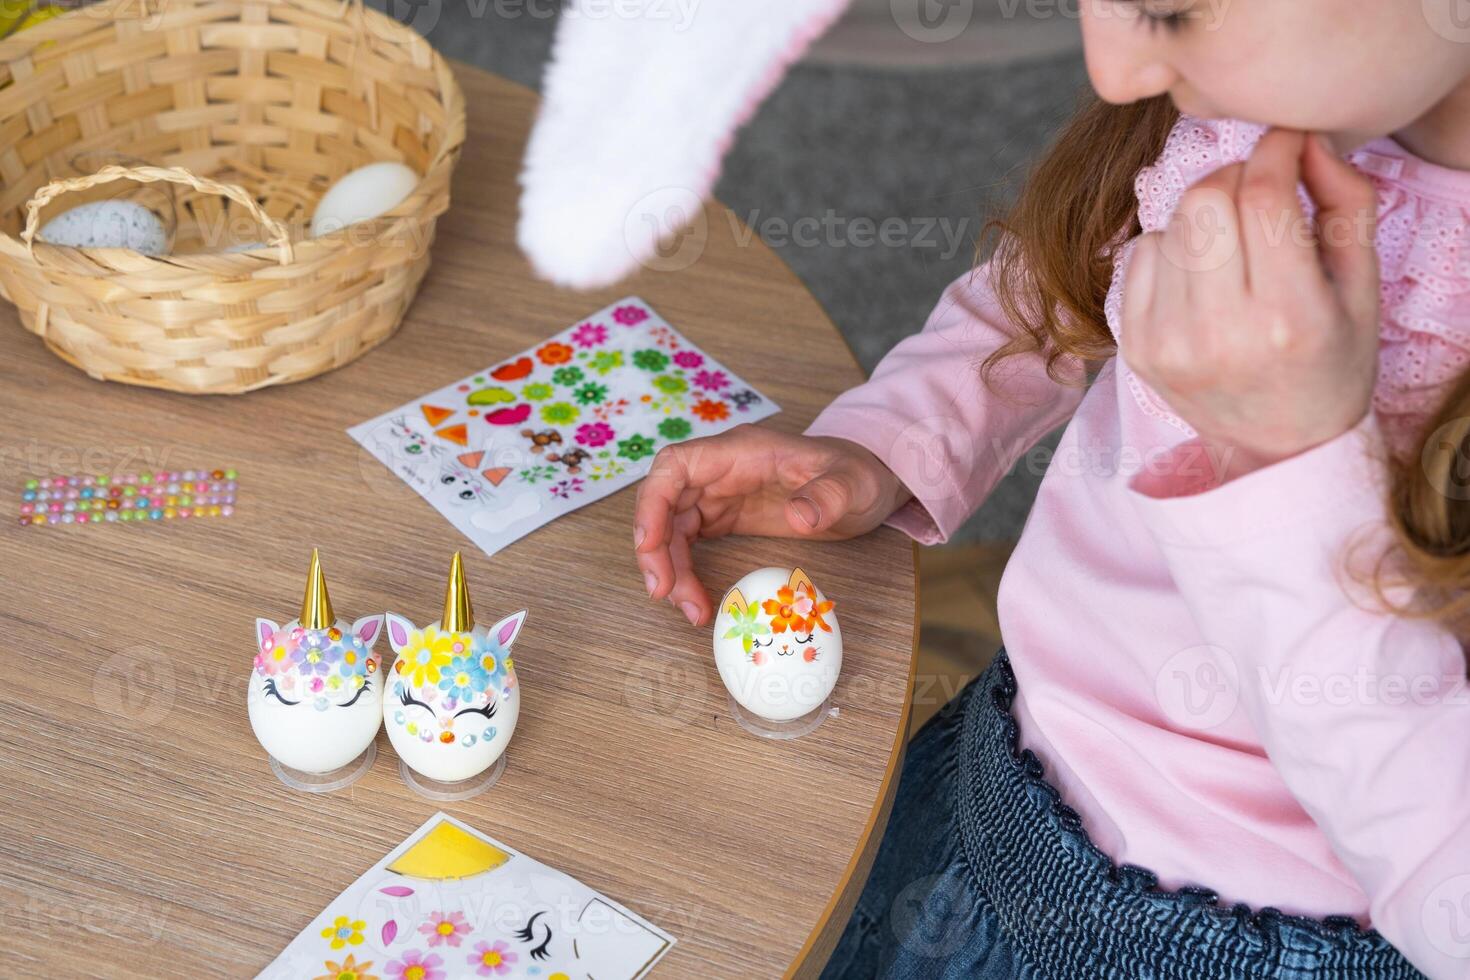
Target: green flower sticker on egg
pixel 567 376
pixel 591 393
pixel 560 413
pixel 537 391
pixel 635 447
pixel 675 429
pixel 490 396
pixel 650 359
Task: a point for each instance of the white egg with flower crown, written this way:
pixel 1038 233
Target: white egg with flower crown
pixel 777 644
pixel 452 701
pixel 315 693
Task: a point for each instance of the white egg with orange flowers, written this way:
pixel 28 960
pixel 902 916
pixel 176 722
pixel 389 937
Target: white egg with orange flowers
pixel 777 644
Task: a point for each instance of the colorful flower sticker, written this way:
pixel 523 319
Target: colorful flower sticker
pixel 492 960
pixel 537 391
pixel 416 965
pixel 539 473
pixel 590 393
pixel 348 969
pixel 674 429
pixel 594 434
pixel 589 335
pixel 445 929
pixel 711 380
pixel 630 316
pixel 635 447
pixel 711 411
pixel 465 679
pixel 605 361
pixel 567 375
pixel 671 384
pixel 344 932
pixel 555 353
pixel 560 413
pixel 746 625
pixel 689 359
pixel 650 359
pixel 425 656
pixel 784 612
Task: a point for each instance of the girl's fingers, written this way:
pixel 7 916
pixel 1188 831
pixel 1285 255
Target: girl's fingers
pixel 658 496
pixel 817 505
pixel 1139 285
pixel 1347 217
pixel 1279 255
pixel 687 593
pixel 1203 242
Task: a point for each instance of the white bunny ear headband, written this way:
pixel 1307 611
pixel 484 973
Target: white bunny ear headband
pixel 641 100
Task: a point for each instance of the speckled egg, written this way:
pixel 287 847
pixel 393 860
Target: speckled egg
pixel 108 224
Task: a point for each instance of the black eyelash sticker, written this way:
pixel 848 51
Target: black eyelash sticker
pixel 366 685
pixel 271 692
pixel 488 711
pixel 406 699
pixel 527 934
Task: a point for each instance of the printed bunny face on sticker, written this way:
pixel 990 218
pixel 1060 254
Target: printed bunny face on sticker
pixel 315 695
pixel 452 701
pixel 777 644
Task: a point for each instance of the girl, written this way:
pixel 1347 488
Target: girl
pixel 1232 622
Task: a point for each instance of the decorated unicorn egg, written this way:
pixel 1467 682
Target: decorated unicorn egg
pixel 315 695
pixel 452 701
pixel 777 644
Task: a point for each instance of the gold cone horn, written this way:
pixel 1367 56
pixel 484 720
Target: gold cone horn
pixel 316 607
pixel 458 616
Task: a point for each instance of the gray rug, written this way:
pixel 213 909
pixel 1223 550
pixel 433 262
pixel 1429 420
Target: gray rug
pixel 838 150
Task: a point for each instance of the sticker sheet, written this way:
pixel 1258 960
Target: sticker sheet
pixel 451 902
pixel 505 450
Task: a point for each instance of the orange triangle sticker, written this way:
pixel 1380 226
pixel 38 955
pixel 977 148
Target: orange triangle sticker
pixel 472 460
pixel 455 433
pixel 497 476
pixel 434 414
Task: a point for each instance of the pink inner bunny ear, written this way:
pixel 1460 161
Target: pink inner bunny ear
pixel 265 631
pixel 367 628
pixel 398 629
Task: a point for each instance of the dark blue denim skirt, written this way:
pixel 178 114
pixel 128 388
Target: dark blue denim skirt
pixel 984 873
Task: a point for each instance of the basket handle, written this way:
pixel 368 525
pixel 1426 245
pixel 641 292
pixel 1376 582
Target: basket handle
pixel 280 237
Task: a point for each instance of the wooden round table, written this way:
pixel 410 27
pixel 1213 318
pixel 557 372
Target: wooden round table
pixel 142 831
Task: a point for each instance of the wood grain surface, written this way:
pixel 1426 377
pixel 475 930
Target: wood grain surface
pixel 141 830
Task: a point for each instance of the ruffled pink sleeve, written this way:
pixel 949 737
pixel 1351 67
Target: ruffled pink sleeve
pixel 1364 713
pixel 928 415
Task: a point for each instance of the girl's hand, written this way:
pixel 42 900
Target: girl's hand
pixel 1259 328
pixel 752 481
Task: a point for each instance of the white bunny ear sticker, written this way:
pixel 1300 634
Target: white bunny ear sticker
pixel 661 134
pixel 265 631
pixel 399 629
pixel 506 631
pixel 368 629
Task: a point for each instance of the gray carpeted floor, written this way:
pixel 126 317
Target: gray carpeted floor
pixel 938 149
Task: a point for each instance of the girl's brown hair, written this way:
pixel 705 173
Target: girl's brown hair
pixel 1051 272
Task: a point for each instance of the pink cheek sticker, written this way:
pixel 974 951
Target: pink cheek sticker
pixel 758 657
pixel 809 654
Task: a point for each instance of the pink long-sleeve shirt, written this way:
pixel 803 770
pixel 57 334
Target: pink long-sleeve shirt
pixel 1199 671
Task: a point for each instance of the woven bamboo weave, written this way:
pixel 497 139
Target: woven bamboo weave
pixel 247 110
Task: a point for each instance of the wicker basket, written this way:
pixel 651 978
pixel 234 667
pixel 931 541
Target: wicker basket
pixel 251 109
